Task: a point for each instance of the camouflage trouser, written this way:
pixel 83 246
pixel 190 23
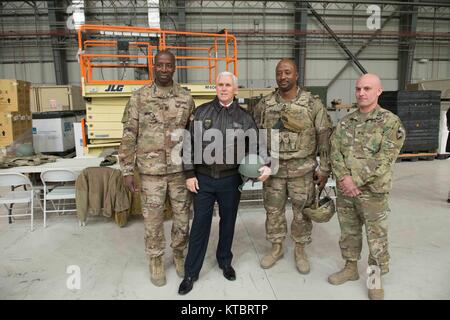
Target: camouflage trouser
pixel 370 209
pixel 153 196
pixel 275 192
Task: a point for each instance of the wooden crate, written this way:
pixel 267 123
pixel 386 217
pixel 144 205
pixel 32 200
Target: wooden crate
pixel 57 98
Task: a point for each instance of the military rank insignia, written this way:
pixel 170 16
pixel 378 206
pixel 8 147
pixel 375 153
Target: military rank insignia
pixel 379 118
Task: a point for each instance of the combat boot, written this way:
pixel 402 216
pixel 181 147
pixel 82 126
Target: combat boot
pixel 275 254
pixel 157 272
pixel 178 261
pixel 349 273
pixel 376 291
pixel 301 260
pixel 376 294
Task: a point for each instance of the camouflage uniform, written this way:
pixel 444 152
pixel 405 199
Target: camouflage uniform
pixel 298 148
pixel 150 121
pixel 365 148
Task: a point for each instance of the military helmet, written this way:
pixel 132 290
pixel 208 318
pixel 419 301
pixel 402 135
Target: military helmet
pixel 249 166
pixel 321 210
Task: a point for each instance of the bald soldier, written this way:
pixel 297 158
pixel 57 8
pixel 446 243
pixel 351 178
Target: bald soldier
pixel 304 130
pixel 364 146
pixel 153 116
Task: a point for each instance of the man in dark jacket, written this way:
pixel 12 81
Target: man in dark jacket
pixel 211 170
pixel 447 147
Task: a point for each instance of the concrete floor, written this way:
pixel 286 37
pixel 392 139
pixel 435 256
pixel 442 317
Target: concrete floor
pixel 112 263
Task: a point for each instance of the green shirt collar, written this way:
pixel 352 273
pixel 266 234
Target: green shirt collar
pixel 374 114
pixel 173 92
pixel 278 98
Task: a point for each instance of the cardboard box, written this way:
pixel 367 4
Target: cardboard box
pixel 14 96
pixel 14 128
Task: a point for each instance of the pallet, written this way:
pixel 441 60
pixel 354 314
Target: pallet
pixel 426 156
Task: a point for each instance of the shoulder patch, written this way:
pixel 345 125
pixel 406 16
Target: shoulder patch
pixel 400 132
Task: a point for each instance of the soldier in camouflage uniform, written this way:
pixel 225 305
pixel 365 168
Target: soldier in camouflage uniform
pixel 304 129
pixel 152 118
pixel 364 146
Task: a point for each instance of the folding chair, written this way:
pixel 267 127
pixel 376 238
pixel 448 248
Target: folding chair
pixel 9 199
pixel 55 188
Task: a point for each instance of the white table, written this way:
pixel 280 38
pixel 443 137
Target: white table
pixel 75 164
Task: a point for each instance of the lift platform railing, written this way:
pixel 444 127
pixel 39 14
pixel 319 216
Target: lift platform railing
pixel 104 49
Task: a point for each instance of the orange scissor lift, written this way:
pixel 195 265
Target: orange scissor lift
pixel 115 61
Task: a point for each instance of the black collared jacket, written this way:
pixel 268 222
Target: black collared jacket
pixel 233 124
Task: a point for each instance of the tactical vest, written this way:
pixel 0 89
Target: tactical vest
pixel 300 143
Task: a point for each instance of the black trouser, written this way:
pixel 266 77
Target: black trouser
pixel 225 192
pixel 447 147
